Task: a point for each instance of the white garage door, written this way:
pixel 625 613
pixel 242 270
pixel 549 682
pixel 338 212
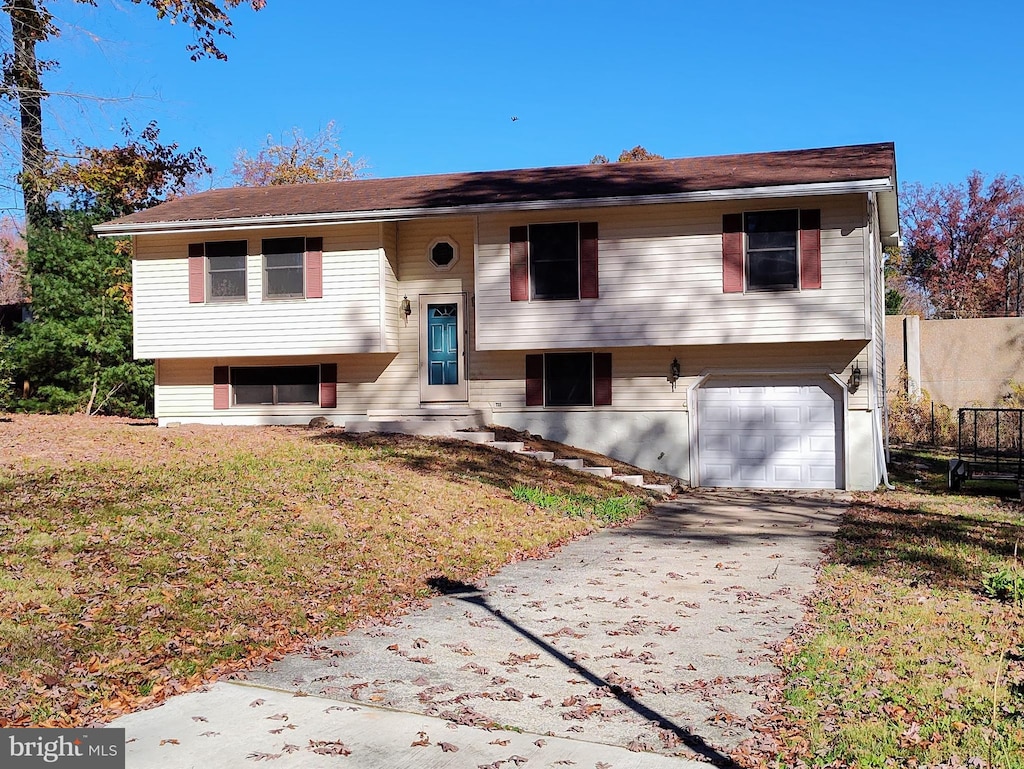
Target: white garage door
pixel 777 437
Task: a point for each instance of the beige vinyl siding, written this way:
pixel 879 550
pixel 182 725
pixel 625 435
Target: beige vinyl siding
pixel 372 382
pixel 392 298
pixel 661 282
pixel 640 375
pixel 349 317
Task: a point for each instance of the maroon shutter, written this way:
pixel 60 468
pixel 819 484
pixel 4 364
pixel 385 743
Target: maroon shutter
pixel 534 380
pixel 588 261
pixel 314 268
pixel 810 248
pixel 328 385
pixel 732 253
pixel 519 263
pixel 602 379
pixel 196 272
pixel 221 388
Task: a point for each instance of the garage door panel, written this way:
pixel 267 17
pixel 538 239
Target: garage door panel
pixel 821 415
pixel 757 415
pixel 757 436
pixel 787 474
pixel 782 415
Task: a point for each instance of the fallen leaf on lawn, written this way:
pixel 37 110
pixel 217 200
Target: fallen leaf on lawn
pixel 517 760
pixel 290 748
pixel 169 742
pixel 209 734
pixel 503 743
pixel 256 703
pixel 199 718
pixel 263 756
pixel 278 717
pixel 540 743
pixel 447 747
pixel 420 743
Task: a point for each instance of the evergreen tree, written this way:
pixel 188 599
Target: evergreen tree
pixel 76 351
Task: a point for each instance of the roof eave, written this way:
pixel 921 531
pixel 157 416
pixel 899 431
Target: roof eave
pixel 115 229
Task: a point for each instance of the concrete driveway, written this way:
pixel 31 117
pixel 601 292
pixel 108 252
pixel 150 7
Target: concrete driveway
pixel 644 646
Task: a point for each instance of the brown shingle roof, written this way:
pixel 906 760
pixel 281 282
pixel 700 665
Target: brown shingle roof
pixel 589 182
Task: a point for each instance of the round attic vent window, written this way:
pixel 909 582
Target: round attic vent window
pixel 443 254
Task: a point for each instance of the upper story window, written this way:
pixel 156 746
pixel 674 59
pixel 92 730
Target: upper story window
pixel 771 250
pixel 225 270
pixel 284 268
pixel 292 268
pixel 554 261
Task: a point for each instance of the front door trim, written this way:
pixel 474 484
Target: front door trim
pixel 442 393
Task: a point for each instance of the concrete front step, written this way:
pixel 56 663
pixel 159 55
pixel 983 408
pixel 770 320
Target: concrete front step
pixel 629 480
pixel 604 472
pixel 475 437
pixel 543 456
pixel 571 463
pixel 658 488
pixel 513 446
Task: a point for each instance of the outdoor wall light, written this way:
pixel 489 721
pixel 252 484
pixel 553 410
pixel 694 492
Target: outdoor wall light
pixel 854 382
pixel 406 307
pixel 674 371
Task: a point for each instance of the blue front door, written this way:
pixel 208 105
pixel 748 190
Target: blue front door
pixel 443 344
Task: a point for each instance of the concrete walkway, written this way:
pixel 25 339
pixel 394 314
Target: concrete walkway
pixel 644 646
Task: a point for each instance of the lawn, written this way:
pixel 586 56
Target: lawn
pixel 904 659
pixel 139 562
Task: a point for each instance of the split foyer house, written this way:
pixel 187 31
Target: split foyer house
pixel 719 319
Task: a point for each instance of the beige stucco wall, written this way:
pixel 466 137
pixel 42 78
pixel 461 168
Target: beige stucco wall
pixel 962 362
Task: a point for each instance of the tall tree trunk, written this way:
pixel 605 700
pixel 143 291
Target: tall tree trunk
pixel 28 27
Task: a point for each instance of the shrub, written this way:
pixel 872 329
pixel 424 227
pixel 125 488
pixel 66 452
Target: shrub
pixel 917 419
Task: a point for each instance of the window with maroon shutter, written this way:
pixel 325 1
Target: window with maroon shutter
pixel 221 388
pixel 534 380
pixel 732 253
pixel 589 283
pixel 771 250
pixel 554 261
pixel 569 379
pixel 810 248
pixel 314 268
pixel 602 379
pixel 519 265
pixel 328 385
pixel 196 272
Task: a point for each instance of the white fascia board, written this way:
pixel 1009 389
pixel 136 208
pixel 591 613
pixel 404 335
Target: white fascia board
pixel 399 214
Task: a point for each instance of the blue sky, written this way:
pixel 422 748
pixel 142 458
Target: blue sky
pixel 431 87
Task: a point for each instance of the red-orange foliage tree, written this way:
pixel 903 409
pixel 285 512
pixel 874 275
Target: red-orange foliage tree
pixel 963 245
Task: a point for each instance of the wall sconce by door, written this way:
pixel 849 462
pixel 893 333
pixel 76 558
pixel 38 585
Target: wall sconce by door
pixel 853 383
pixel 406 308
pixel 674 371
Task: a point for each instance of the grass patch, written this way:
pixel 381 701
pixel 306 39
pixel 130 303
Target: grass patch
pixel 906 661
pixel 614 509
pixel 139 562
